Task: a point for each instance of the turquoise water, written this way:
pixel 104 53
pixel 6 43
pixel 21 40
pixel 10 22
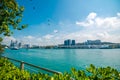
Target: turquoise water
pixel 63 59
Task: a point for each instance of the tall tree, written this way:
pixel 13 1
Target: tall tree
pixel 10 18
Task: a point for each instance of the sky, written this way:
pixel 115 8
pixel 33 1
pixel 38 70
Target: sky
pixel 51 22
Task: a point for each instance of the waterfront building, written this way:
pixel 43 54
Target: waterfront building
pixel 89 44
pixel 93 42
pixel 14 45
pixel 20 45
pixel 11 44
pixel 67 42
pixel 73 42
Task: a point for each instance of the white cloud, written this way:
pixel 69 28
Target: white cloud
pixel 48 36
pixel 89 20
pixel 7 40
pixel 29 37
pixel 34 40
pixel 55 31
pixel 92 20
pixel 104 28
pixel 118 14
pixel 93 27
pixel 91 16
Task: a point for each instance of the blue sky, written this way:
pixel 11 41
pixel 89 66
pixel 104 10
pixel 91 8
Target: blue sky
pixel 53 21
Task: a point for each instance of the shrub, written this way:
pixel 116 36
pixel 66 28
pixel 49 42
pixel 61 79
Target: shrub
pixel 10 72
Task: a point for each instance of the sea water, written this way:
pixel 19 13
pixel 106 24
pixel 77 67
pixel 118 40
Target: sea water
pixel 64 59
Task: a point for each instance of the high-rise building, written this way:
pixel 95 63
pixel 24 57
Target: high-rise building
pixel 65 42
pixel 20 45
pixel 11 44
pixel 69 42
pixel 73 42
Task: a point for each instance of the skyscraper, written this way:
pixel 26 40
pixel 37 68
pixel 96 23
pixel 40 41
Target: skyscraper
pixel 73 42
pixel 69 42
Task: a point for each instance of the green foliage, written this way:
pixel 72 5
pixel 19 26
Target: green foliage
pixel 10 17
pixel 1 47
pixel 79 74
pixel 101 73
pixel 9 72
pixel 64 76
pixel 91 73
pixel 40 76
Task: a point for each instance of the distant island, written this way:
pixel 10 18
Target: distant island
pixel 68 44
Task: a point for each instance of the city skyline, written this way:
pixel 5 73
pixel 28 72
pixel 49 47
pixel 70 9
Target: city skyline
pixel 65 42
pixel 53 21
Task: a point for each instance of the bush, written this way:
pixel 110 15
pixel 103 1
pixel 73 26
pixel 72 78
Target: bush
pixel 9 72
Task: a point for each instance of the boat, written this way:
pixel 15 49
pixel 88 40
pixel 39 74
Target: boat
pixel 14 48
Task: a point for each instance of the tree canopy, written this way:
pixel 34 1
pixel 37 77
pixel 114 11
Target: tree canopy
pixel 10 18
